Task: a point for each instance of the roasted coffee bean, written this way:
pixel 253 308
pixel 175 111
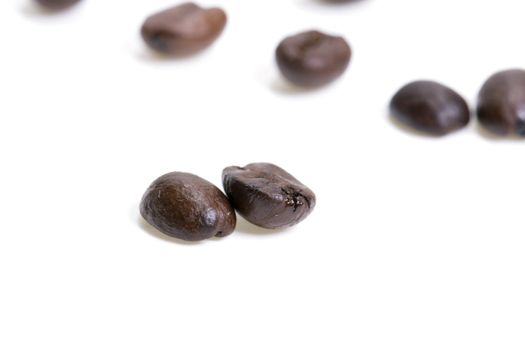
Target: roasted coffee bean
pixel 501 103
pixel 267 196
pixel 57 4
pixel 312 58
pixel 188 207
pixel 430 107
pixel 183 30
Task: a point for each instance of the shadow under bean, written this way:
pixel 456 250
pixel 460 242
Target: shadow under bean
pixel 336 3
pixel 33 9
pixel 407 129
pixel 487 135
pixel 151 56
pixel 282 86
pixel 243 226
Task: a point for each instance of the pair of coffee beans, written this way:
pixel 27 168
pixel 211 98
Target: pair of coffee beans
pixel 436 109
pixel 308 59
pixel 187 207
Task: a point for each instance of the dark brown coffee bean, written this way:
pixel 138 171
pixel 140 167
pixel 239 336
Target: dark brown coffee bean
pixel 501 103
pixel 312 58
pixel 430 107
pixel 57 4
pixel 188 207
pixel 267 196
pixel 184 29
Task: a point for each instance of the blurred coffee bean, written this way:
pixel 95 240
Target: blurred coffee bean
pixel 311 59
pixel 57 4
pixel 187 207
pixel 183 30
pixel 267 196
pixel 501 103
pixel 430 107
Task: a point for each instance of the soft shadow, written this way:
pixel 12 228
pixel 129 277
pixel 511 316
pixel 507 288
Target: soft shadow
pixel 341 2
pixel 32 9
pixel 406 129
pixel 281 86
pixel 487 135
pixel 246 227
pixel 146 227
pixel 336 3
pixel 147 54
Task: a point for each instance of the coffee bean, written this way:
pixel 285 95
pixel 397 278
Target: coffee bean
pixel 183 30
pixel 430 107
pixel 311 59
pixel 267 196
pixel 188 207
pixel 57 4
pixel 501 103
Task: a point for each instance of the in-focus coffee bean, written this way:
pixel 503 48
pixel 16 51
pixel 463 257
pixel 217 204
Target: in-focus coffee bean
pixel 501 103
pixel 187 207
pixel 57 4
pixel 430 107
pixel 267 196
pixel 311 59
pixel 183 30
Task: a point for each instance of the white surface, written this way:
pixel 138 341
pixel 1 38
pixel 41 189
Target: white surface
pixel 416 243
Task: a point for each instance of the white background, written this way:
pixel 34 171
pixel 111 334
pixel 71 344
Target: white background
pixel 415 243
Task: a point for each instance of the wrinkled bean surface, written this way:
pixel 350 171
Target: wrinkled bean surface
pixel 188 207
pixel 312 58
pixel 267 196
pixel 501 103
pixel 184 29
pixel 430 107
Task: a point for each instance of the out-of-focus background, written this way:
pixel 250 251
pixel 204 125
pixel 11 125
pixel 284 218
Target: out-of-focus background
pixel 416 242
